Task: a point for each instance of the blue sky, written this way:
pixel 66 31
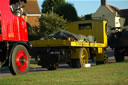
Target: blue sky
pixel 90 6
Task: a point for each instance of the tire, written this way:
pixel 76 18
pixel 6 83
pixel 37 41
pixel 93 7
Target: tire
pixel 119 57
pixel 52 67
pixel 75 63
pixel 19 60
pixel 83 59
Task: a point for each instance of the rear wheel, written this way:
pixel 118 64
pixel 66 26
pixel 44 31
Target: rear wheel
pixel 83 59
pixel 19 60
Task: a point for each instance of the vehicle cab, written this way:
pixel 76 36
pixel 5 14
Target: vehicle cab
pixel 12 25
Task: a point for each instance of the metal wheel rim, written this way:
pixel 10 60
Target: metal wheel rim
pixel 84 58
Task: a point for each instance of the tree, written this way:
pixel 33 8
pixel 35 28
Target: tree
pixel 88 17
pixel 33 32
pixel 49 5
pixel 67 10
pixel 51 22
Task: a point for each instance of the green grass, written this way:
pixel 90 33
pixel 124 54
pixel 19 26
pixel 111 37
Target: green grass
pixel 109 74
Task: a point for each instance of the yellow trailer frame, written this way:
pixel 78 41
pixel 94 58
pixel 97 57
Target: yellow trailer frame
pixel 60 43
pixel 76 48
pixel 81 49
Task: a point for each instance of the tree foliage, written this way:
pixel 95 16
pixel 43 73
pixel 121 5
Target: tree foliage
pixel 51 22
pixel 67 10
pixel 88 17
pixel 49 5
pixel 33 32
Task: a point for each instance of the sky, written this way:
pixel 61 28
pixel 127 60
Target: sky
pixel 84 7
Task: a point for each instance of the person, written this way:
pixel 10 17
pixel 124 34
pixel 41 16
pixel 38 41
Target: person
pixel 17 9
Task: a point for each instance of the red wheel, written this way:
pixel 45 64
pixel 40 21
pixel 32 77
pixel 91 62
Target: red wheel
pixel 20 60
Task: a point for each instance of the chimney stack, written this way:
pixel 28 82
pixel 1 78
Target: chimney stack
pixel 103 2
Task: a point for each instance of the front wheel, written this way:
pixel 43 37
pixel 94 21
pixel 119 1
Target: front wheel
pixel 19 60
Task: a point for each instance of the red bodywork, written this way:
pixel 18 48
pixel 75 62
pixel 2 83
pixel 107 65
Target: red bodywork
pixel 13 28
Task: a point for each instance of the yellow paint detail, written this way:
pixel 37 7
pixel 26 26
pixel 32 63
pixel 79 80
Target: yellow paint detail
pixel 11 35
pixel 100 50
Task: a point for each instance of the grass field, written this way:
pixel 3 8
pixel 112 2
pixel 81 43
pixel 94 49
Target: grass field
pixel 109 74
